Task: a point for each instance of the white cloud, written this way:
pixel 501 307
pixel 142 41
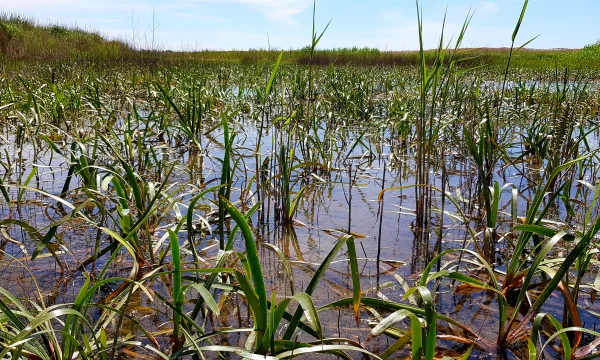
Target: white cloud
pixel 282 10
pixel 488 8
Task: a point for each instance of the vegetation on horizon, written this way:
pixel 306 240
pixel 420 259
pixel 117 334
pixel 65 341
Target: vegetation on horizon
pixel 22 38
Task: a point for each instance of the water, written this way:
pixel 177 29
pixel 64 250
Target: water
pixel 324 211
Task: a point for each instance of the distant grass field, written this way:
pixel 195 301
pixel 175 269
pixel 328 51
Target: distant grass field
pixel 23 38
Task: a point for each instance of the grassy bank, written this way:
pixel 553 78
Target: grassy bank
pixel 23 39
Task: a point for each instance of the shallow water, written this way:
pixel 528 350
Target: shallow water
pixel 389 247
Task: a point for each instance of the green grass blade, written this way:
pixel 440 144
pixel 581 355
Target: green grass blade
pixel 310 312
pixel 430 317
pixel 313 284
pixel 4 192
pixel 272 78
pixel 355 274
pixel 253 260
pixel 32 173
pixel 518 26
pixel 177 293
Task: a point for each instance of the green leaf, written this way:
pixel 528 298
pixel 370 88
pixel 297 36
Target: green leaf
pixel 356 293
pixel 536 229
pixel 313 283
pixel 531 349
pixel 272 78
pixel 32 173
pixel 310 312
pixel 390 321
pixel 430 317
pixel 177 293
pixel 252 256
pixel 518 26
pixel 4 192
pixel 259 313
pixel 207 297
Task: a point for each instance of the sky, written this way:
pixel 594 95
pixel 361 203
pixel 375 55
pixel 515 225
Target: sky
pixel 285 24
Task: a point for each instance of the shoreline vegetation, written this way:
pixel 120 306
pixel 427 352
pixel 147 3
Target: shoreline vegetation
pixel 23 39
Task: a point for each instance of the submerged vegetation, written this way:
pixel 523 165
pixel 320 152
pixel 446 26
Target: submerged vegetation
pixel 274 208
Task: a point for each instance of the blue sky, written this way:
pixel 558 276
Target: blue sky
pixel 384 24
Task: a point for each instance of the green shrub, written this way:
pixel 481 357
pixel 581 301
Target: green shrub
pixel 59 30
pixel 10 30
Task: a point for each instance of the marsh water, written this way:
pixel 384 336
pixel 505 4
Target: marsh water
pixel 367 156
